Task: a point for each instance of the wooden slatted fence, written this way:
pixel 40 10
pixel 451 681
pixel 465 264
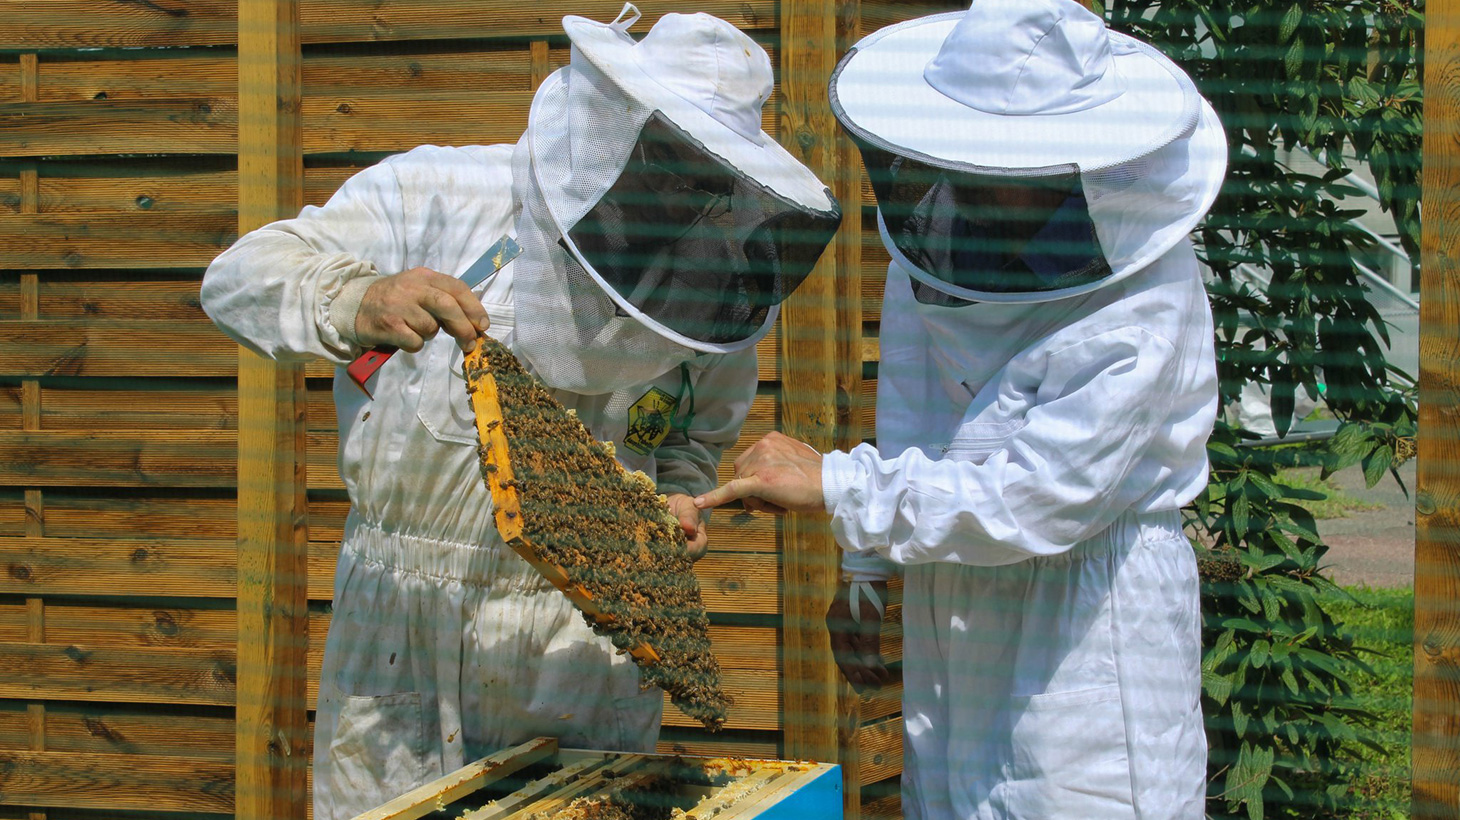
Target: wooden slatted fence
pixel 119 133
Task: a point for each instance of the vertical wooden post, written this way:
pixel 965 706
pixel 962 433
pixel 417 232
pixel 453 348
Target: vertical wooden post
pixel 808 393
pixel 538 62
pixel 272 540
pixel 847 185
pixel 1436 752
pixel 30 413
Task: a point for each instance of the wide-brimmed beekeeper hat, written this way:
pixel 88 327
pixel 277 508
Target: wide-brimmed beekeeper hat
pixel 708 78
pixel 659 220
pixel 1032 89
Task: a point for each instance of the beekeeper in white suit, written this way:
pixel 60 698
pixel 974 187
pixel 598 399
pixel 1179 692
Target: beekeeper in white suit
pixel 1046 388
pixel 659 229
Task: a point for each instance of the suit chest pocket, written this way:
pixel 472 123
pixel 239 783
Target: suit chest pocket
pixel 444 407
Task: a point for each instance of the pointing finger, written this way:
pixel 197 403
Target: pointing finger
pixel 735 488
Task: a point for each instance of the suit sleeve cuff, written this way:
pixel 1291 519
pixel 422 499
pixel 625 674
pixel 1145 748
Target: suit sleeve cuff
pixel 346 305
pixel 838 472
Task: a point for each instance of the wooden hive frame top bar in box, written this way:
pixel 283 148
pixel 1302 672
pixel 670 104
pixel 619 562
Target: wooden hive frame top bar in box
pixel 539 781
pixel 601 535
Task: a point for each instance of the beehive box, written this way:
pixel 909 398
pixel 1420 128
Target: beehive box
pixel 539 781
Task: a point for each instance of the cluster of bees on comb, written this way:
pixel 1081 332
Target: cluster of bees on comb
pixel 606 530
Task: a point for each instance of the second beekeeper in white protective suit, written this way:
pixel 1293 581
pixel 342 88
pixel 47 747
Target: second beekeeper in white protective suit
pixel 659 229
pixel 1046 388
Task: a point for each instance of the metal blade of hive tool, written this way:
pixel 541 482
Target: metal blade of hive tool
pixel 504 250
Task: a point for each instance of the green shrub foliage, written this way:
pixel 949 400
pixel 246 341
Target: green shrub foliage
pixel 1333 78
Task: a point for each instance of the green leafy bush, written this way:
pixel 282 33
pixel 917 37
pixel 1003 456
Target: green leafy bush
pixel 1335 79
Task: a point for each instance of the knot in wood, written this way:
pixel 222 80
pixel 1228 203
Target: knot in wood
pixel 20 572
pixel 164 623
pixel 1424 503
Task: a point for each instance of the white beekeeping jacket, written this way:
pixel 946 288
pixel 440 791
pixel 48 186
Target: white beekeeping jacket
pixel 1012 431
pixel 439 208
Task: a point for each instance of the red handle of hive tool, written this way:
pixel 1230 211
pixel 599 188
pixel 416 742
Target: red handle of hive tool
pixel 370 361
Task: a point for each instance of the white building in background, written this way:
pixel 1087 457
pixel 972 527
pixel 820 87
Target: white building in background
pixel 1392 290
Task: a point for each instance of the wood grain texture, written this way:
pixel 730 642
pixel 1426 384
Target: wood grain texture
pixel 65 24
pixel 881 750
pixel 273 556
pixel 118 459
pixel 809 400
pixel 115 782
pixel 1436 738
pixel 194 732
pixel 100 673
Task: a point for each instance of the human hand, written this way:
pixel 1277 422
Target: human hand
pixel 777 474
pixel 696 540
pixel 857 647
pixel 408 308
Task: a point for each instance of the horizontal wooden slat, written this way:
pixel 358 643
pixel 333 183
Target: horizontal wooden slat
pixel 78 566
pixel 376 123
pixel 880 747
pixel 197 732
pixel 129 300
pixel 12 512
pixel 757 701
pixel 79 24
pixel 92 673
pixel 135 675
pixel 179 192
pixel 369 20
pixel 869 408
pixel 887 805
pixel 883 703
pixel 83 24
pixel 735 530
pixel 732 583
pixel 140 240
pixel 141 627
pixel 145 75
pixel 107 514
pixel 117 347
pixel 10 407
pixel 180 125
pixel 196 458
pixel 678 741
pixel 207 733
pixel 740 583
pixel 168 73
pixel 9 191
pixel 875 260
pixel 13 623
pixel 122 626
pixel 208 408
pixel 95 781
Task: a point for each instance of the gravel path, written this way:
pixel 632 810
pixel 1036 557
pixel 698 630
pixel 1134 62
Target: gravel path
pixel 1373 547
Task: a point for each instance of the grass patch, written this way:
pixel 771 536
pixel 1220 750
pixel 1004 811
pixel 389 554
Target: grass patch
pixel 1335 504
pixel 1382 622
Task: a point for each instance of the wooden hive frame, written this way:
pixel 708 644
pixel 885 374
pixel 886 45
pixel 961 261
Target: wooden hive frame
pixel 507 503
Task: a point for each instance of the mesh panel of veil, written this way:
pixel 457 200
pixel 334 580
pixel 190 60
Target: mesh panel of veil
pixel 694 244
pixel 987 233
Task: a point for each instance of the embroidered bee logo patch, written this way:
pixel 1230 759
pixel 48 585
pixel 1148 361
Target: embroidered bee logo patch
pixel 649 421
